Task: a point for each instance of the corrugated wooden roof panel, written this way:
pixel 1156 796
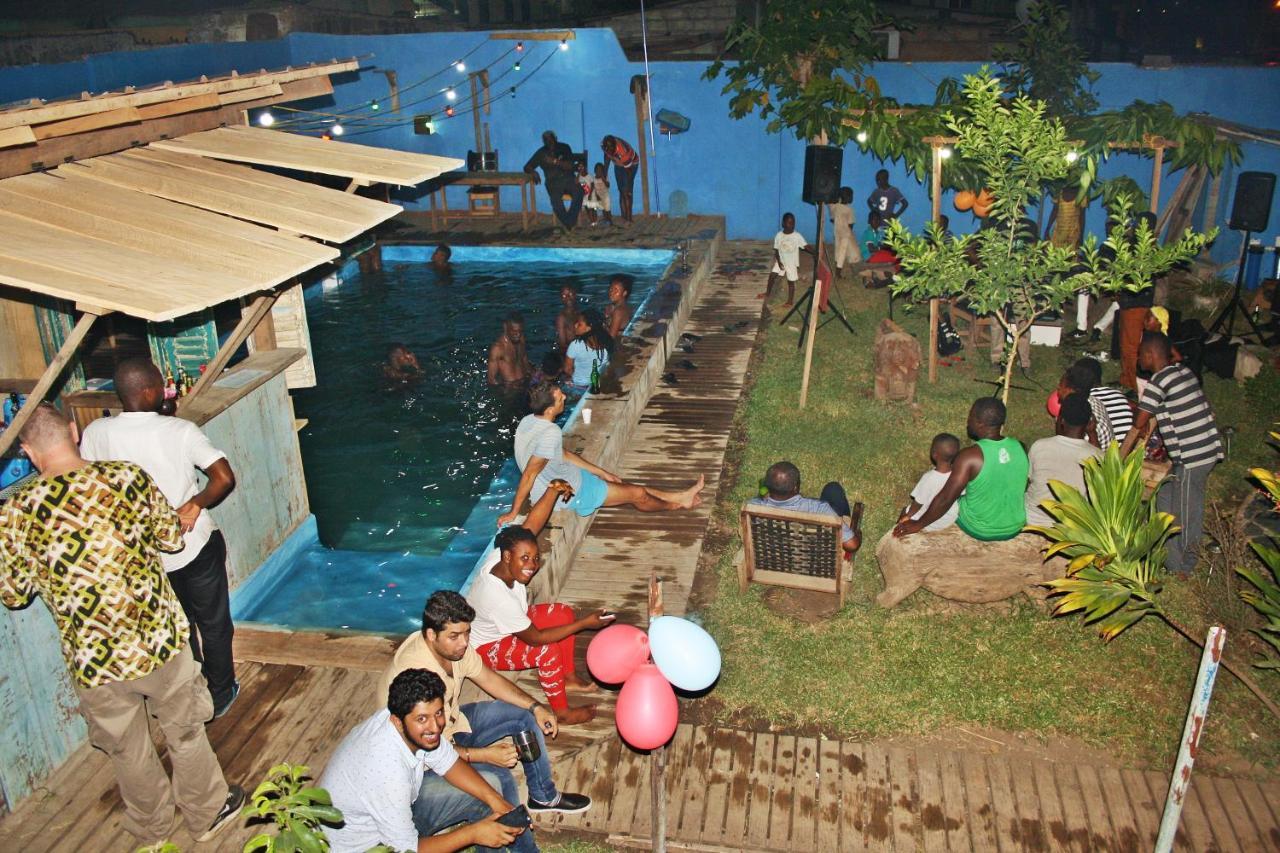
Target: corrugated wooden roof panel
pixel 310 154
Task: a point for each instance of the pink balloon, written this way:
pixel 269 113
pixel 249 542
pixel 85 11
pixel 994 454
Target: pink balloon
pixel 1054 404
pixel 648 710
pixel 615 653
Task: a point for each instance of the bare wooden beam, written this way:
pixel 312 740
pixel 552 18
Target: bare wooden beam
pixel 210 101
pixel 83 124
pixel 535 35
pixel 241 95
pixel 12 136
pixel 50 376
pixel 249 320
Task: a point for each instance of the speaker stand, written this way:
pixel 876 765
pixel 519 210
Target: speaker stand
pixel 1225 322
pixel 806 299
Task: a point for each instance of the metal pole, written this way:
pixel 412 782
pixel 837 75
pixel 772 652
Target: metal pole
pixel 813 313
pixel 1191 732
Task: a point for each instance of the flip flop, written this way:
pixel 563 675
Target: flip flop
pixel 669 378
pixel 687 365
pixel 685 348
pixel 690 336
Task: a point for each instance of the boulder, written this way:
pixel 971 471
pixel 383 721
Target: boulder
pixel 897 363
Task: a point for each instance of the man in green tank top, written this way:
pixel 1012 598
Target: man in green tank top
pixel 988 480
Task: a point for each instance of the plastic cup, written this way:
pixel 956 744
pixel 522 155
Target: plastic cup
pixel 586 415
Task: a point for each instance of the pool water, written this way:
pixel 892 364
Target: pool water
pixel 406 482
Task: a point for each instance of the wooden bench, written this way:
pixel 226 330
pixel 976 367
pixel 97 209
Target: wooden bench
pixel 799 550
pixel 953 565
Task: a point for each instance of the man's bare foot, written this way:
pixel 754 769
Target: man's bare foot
pixel 690 497
pixel 576 716
pixel 574 684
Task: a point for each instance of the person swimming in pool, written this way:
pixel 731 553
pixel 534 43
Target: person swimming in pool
pixel 440 261
pixel 508 358
pixel 542 458
pixel 401 367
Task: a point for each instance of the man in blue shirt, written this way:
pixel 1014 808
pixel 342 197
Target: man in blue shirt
pixel 782 484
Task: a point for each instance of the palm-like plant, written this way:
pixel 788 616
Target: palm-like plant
pixel 1115 540
pixel 1265 597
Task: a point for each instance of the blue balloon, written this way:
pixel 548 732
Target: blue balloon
pixel 684 653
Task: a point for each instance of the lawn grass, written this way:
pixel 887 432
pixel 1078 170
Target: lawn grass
pixel 928 665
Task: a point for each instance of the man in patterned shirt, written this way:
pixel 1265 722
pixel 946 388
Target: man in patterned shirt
pixel 85 537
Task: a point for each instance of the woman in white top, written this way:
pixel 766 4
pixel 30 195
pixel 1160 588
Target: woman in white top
pixel 590 348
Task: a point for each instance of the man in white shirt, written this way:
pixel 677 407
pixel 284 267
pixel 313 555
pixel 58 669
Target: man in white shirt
pixel 170 450
pixel 787 244
pixel 1060 457
pixel 376 772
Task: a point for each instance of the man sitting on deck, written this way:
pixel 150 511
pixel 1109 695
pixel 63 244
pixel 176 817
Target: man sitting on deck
pixel 508 359
pixel 377 771
pixel 988 479
pixel 782 481
pixel 479 730
pixel 540 453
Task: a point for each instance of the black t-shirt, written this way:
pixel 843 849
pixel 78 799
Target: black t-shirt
pixel 545 158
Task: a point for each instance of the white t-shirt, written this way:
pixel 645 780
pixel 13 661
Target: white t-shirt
pixel 788 247
pixel 170 450
pixel 500 610
pixel 931 482
pixel 1056 457
pixel 373 778
pixel 583 356
pixel 537 436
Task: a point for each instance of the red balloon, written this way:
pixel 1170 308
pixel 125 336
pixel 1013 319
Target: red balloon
pixel 648 710
pixel 1053 404
pixel 615 653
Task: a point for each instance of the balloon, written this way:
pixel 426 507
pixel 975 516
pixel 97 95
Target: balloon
pixel 1054 404
pixel 984 199
pixel 615 653
pixel 684 652
pixel 965 199
pixel 981 211
pixel 647 711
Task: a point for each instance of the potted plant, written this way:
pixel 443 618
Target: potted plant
pixel 297 810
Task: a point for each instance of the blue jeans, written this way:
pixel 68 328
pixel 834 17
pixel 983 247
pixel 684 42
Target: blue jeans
pixel 440 805
pixel 493 721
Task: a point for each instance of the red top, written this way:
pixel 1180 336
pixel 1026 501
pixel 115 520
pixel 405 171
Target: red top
pixel 623 154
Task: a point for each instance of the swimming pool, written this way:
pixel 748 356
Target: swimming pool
pixel 406 484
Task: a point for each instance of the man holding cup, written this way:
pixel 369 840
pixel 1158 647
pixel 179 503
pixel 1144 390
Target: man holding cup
pixel 497 733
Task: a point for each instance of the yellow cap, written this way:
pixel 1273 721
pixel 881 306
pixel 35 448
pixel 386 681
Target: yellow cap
pixel 1162 317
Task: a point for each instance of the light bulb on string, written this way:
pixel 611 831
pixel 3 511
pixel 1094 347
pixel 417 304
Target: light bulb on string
pixel 448 111
pixel 1073 156
pixel 516 67
pixel 373 105
pixel 861 137
pixel 266 119
pixel 451 94
pixel 945 153
pixel 460 65
pixel 336 130
pixel 564 44
pixel 519 47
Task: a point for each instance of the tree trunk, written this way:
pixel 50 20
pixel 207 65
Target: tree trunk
pixel 1244 679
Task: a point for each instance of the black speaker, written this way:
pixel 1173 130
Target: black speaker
pixel 423 126
pixel 1251 208
pixel 822 164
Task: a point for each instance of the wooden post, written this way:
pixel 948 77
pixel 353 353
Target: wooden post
pixel 936 181
pixel 813 314
pixel 475 113
pixel 1191 733
pixel 50 376
pixel 1156 171
pixel 249 320
pixel 640 89
pixel 658 767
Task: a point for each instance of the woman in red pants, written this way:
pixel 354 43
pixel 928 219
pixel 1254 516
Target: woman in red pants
pixel 511 635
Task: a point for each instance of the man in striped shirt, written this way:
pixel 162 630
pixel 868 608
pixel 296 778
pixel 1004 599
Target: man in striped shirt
pixel 1182 412
pixel 1112 412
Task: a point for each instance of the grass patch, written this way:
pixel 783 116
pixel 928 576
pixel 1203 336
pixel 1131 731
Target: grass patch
pixel 928 665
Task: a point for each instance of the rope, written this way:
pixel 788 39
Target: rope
pixel 648 89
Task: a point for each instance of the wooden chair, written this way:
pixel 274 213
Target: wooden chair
pixel 483 200
pixel 799 550
pixel 977 329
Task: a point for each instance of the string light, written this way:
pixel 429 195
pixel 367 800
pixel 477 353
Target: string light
pixel 448 111
pixel 516 67
pixel 564 44
pixel 519 47
pixel 373 105
pixel 451 94
pixel 336 130
pixel 945 153
pixel 266 119
pixel 861 137
pixel 1073 156
pixel 460 65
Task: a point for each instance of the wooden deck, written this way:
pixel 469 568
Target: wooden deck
pixel 728 789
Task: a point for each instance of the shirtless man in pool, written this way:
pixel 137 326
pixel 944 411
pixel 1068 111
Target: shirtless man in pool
pixel 508 360
pixel 568 314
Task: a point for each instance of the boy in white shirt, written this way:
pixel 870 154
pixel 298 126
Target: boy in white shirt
pixel 942 452
pixel 842 223
pixel 786 258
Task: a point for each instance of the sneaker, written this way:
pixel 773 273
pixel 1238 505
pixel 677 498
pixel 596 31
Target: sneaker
pixel 565 804
pixel 1077 336
pixel 231 808
pixel 225 705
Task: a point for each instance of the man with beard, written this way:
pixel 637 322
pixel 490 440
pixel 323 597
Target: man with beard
pixel 480 731
pixel 508 360
pixel 988 481
pixel 375 775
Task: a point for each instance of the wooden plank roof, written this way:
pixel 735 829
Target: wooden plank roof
pixel 310 154
pixel 240 191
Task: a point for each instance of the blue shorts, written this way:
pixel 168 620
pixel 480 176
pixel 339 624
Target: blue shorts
pixel 589 496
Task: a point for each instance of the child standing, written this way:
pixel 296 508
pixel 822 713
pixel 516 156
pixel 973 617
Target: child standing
pixel 942 452
pixel 786 258
pixel 584 180
pixel 597 195
pixel 846 243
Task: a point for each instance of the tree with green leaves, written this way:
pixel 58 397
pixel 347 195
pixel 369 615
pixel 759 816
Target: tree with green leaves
pixel 1045 63
pixel 298 810
pixel 1005 270
pixel 802 66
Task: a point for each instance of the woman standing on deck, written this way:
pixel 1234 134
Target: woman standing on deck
pixel 625 164
pixel 588 353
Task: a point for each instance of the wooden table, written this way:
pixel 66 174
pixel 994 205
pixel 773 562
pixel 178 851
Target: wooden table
pixel 523 180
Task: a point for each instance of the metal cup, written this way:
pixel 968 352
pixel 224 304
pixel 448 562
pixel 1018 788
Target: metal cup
pixel 527 745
